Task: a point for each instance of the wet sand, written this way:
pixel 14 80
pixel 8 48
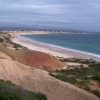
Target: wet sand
pixel 55 51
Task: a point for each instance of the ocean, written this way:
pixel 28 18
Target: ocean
pixel 84 43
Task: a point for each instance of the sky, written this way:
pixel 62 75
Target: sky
pixel 51 14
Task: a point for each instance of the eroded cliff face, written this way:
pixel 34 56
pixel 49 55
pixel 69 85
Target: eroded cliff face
pixel 33 58
pixel 39 80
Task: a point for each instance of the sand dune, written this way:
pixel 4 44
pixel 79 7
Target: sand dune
pixel 39 80
pixel 33 58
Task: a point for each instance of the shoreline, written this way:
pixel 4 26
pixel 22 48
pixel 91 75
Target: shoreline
pixel 52 50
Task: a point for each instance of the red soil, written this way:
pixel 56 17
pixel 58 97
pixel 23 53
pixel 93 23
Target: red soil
pixel 33 58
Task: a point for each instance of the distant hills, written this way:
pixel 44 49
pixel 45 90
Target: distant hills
pixel 43 29
pixel 39 29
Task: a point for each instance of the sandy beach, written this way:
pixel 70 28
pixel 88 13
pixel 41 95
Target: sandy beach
pixel 55 51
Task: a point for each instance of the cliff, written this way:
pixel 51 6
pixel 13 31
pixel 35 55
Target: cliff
pixel 33 58
pixel 39 80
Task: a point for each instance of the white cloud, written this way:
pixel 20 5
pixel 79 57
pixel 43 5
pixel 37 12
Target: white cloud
pixel 51 13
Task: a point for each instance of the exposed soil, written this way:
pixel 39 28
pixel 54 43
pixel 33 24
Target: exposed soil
pixel 39 80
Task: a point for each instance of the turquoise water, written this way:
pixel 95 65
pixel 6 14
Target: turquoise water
pixel 85 43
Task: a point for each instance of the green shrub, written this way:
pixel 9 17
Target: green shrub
pixel 64 78
pixel 8 95
pixel 41 96
pixel 96 92
pixel 7 83
pixel 1 40
pixel 96 77
pixel 16 45
pixel 10 91
pixel 7 38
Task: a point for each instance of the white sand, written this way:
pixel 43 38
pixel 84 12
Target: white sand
pixel 55 51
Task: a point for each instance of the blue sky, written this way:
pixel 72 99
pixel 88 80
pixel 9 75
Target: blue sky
pixel 51 14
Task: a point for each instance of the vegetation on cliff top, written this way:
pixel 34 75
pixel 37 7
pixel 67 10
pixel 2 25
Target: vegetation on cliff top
pixel 5 39
pixel 87 78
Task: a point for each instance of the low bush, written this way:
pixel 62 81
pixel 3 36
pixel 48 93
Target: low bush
pixel 7 38
pixel 64 78
pixel 96 92
pixel 96 77
pixel 8 95
pixel 10 91
pixel 1 40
